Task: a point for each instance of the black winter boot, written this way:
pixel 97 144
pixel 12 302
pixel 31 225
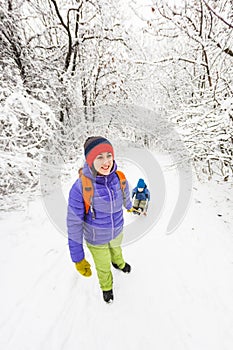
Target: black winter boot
pixel 135 211
pixel 108 296
pixel 126 268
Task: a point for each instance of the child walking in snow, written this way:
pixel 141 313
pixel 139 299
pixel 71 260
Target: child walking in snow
pixel 102 225
pixel 141 197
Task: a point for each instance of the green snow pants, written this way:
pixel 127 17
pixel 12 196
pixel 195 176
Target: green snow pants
pixel 103 255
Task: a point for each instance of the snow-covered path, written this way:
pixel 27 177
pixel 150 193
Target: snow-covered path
pixel 178 296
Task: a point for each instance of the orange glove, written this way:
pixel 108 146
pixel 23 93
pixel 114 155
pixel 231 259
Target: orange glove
pixel 83 267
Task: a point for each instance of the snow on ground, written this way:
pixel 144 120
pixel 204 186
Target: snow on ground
pixel 178 296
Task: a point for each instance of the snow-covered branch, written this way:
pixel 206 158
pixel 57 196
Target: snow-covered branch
pixel 218 15
pixel 171 59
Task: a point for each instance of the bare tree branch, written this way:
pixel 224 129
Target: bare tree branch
pixel 105 38
pixel 217 15
pixel 171 59
pixel 66 26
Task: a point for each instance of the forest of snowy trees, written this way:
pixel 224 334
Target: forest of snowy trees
pixel 63 59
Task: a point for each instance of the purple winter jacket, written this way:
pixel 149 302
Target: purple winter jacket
pixel 107 222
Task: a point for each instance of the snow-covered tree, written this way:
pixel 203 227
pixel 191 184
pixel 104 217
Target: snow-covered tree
pixel 192 72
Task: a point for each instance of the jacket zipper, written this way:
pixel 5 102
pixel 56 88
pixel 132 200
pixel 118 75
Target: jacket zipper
pixel 111 202
pixel 113 198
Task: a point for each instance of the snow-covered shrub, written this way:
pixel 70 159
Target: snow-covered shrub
pixel 26 126
pixel 208 136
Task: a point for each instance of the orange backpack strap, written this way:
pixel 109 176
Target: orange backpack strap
pixel 122 179
pixel 88 192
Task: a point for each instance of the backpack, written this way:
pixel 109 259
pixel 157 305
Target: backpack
pixel 88 189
